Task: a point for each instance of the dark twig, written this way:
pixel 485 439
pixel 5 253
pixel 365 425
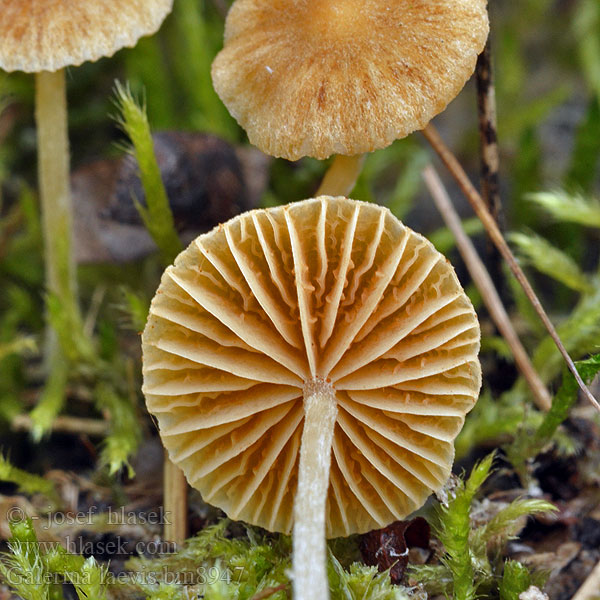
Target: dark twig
pixel 490 161
pixel 481 210
pixel 482 279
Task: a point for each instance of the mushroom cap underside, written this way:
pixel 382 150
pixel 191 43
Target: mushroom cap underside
pixel 324 288
pixel 47 35
pixel 322 77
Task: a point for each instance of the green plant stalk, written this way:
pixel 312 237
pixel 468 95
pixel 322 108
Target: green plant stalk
pixel 157 215
pixel 158 219
pixel 55 195
pixel 52 399
pixel 454 529
pixel 28 483
pixel 125 435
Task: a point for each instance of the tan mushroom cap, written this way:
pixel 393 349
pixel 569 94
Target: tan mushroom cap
pixel 323 77
pixel 47 35
pixel 255 310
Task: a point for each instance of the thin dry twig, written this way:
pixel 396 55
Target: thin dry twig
pixel 484 284
pixel 490 157
pixel 476 201
pixel 590 590
pixel 65 424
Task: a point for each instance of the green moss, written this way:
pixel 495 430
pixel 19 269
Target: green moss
pixel 470 563
pixel 28 483
pixel 156 213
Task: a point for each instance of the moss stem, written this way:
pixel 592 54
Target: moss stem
pixel 341 176
pixel 55 196
pixel 309 560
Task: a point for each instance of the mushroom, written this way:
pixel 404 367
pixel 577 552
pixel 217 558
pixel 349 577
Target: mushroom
pixel 291 332
pixel 43 37
pixel 323 77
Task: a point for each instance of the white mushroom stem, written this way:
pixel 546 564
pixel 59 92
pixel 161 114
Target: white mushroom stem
pixel 341 176
pixel 55 196
pixel 309 561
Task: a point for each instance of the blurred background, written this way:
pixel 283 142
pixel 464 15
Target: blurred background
pixel 546 58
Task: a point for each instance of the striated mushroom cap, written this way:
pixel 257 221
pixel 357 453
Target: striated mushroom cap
pixel 47 35
pixel 254 311
pixel 322 77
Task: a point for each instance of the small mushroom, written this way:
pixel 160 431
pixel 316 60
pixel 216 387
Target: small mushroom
pixel 309 367
pixel 322 77
pixel 43 37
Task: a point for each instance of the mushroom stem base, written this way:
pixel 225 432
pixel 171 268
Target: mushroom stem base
pixel 341 176
pixel 309 547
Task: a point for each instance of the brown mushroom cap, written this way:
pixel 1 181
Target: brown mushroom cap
pixel 323 77
pixel 254 311
pixel 47 35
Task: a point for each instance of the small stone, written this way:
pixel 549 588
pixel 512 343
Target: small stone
pixel 533 593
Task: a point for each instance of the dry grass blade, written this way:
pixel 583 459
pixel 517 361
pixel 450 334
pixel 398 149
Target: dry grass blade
pixel 484 284
pixel 175 502
pixel 590 587
pixel 476 201
pixel 65 424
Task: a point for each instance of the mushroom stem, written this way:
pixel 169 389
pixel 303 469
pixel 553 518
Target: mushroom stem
pixel 175 503
pixel 309 547
pixel 55 196
pixel 341 176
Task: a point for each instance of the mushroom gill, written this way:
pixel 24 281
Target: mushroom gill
pixel 324 328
